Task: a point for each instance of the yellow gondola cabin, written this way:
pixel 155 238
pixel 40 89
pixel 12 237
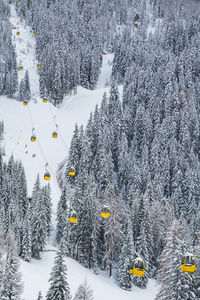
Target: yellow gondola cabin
pixel 54 135
pixel 25 103
pixel 105 212
pixel 38 66
pixel 47 176
pixel 21 68
pixel 44 100
pixel 18 33
pixel 34 32
pixel 72 171
pixel 33 138
pixel 73 217
pixel 138 268
pixel 188 263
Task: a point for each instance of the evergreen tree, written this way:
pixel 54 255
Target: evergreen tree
pixel 126 256
pixel 27 90
pixel 39 296
pixel 174 283
pixel 25 249
pixel 62 217
pixel 88 220
pixel 84 292
pixel 12 286
pixel 46 191
pixel 38 221
pixel 113 233
pixel 59 288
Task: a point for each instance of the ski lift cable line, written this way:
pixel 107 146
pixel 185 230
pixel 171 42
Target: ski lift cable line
pixel 40 147
pixel 31 117
pixel 19 136
pixel 41 150
pixel 51 113
pixel 56 125
pixel 63 141
pixel 57 186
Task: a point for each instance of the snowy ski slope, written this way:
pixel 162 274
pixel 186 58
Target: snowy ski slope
pixel 19 121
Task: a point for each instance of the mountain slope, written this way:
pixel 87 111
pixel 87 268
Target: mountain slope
pixel 19 122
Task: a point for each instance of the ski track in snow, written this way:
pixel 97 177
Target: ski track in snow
pixel 19 121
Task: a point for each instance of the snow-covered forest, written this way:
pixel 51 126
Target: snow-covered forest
pixel 139 152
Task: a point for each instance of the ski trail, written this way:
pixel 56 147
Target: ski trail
pixel 25 45
pixel 25 48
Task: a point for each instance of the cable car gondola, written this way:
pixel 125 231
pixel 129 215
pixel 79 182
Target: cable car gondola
pixel 54 135
pixel 188 263
pixel 33 137
pixel 25 103
pixel 47 175
pixel 38 66
pixel 20 68
pixel 34 32
pixel 105 212
pixel 44 100
pixel 18 33
pixel 72 171
pixel 138 268
pixel 73 217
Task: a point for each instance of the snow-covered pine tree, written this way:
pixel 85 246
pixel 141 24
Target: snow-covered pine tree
pixel 126 255
pixel 62 215
pixel 39 296
pixel 123 163
pixel 197 273
pixel 12 285
pixel 46 191
pixel 84 292
pixel 59 288
pixel 22 201
pixel 174 283
pixel 115 119
pixel 88 223
pixel 74 154
pixel 113 231
pixel 27 90
pixel 38 220
pixel 21 91
pixel 26 240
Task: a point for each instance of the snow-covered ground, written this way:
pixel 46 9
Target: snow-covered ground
pixel 19 120
pixel 36 275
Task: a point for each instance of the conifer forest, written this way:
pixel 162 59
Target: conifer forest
pixel 130 188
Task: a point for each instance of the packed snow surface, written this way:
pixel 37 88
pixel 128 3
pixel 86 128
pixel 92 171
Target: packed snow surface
pixel 19 121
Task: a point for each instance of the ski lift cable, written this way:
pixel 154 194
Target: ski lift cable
pixel 56 112
pixel 40 147
pixel 63 141
pixel 55 181
pixel 31 117
pixel 19 136
pixel 42 152
pixel 51 113
pixel 39 144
